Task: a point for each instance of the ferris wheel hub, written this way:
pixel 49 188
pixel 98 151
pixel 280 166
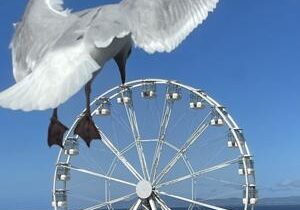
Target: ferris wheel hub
pixel 144 189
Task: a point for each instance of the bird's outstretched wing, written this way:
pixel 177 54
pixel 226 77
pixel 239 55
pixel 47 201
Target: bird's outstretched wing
pixel 39 28
pixel 60 74
pixel 48 70
pixel 161 25
pixel 51 66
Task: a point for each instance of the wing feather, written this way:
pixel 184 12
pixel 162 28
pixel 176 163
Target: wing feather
pixel 59 76
pixel 107 25
pixel 161 25
pixel 40 27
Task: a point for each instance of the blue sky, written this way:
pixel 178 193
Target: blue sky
pixel 246 55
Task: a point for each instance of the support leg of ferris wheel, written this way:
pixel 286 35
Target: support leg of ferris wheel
pixel 152 204
pixel 162 204
pixel 136 205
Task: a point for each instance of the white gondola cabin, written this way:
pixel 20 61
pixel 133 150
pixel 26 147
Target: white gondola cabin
pixel 71 146
pixel 249 163
pixel 217 120
pixel 104 107
pixel 125 96
pixel 60 198
pixel 62 172
pixel 196 102
pixel 173 92
pixel 252 197
pixel 148 90
pixel 232 141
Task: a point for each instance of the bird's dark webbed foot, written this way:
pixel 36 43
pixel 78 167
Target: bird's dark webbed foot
pixel 56 131
pixel 87 129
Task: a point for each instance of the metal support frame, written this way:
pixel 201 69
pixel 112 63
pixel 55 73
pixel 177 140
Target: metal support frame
pixel 100 175
pixel 161 203
pixel 152 204
pixel 136 205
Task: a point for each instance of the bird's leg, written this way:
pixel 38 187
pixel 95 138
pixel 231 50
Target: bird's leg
pixel 85 127
pixel 120 59
pixel 56 130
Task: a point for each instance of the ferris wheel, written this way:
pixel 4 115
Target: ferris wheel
pixel 164 145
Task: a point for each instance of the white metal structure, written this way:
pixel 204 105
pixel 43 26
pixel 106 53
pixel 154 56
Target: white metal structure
pixel 164 145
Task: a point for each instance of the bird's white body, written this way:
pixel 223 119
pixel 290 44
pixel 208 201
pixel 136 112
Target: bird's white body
pixel 56 52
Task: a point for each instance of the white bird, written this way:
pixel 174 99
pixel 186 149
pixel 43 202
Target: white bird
pixel 56 52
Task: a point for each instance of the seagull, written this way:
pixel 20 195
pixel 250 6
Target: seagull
pixel 56 52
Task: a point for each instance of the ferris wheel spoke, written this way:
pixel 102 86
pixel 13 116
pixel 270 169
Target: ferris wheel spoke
pixel 115 160
pixel 161 137
pixel 191 140
pixel 200 172
pixel 226 182
pixel 137 138
pixel 152 204
pixel 192 201
pixel 122 152
pixel 145 207
pixel 85 171
pixel 117 200
pixel 119 155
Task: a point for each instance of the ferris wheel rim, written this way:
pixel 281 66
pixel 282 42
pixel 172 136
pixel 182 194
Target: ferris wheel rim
pixel 137 83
